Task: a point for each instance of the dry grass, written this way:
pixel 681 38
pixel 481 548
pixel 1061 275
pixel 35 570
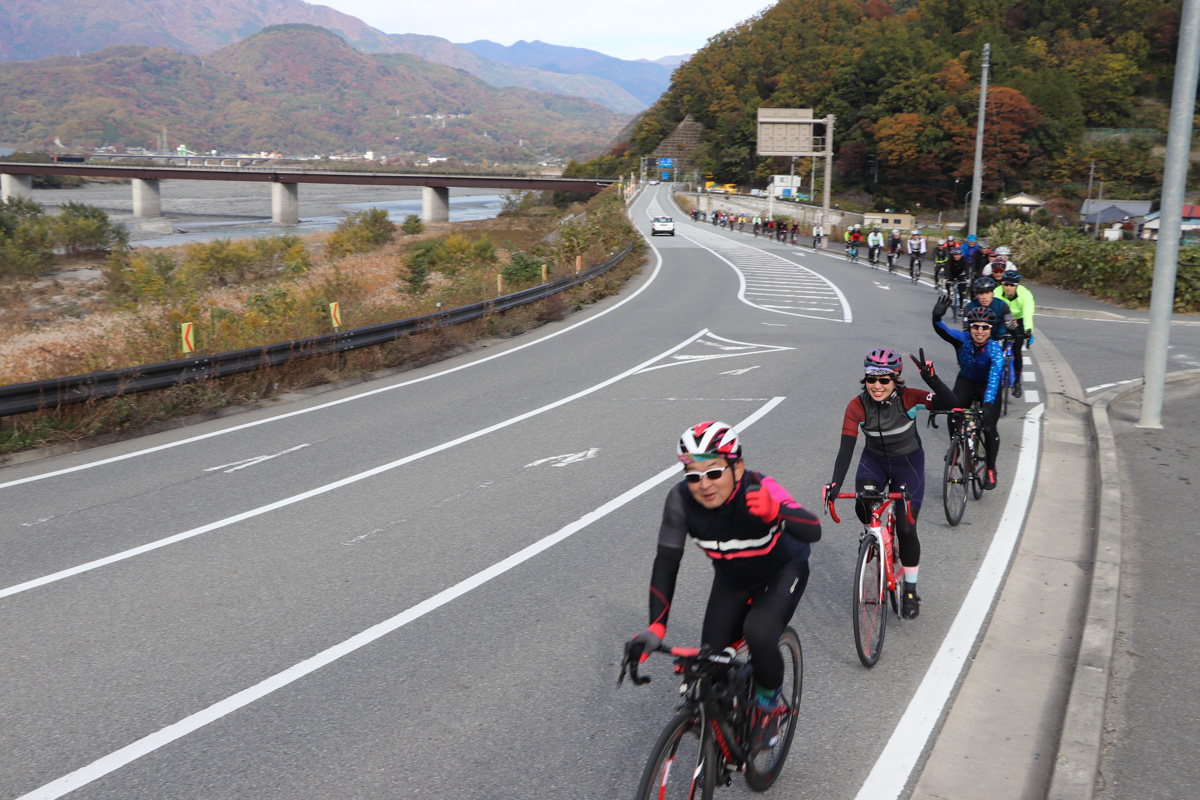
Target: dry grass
pixel 93 332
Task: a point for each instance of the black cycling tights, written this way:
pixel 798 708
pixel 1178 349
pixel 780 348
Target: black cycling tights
pixel 966 391
pixel 729 618
pixel 906 532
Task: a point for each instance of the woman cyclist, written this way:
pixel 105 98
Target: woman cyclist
pixel 758 538
pixel 886 411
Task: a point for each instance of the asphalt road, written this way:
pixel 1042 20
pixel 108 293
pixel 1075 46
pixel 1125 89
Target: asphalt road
pixel 419 587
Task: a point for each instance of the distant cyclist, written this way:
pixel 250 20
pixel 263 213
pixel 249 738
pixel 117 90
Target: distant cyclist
pixel 758 539
pixel 874 245
pixel 985 296
pixel 941 255
pixel 916 249
pixel 1020 303
pixel 895 246
pixel 818 234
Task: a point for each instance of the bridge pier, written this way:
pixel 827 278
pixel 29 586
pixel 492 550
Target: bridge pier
pixel 435 204
pixel 147 199
pixel 285 203
pixel 15 186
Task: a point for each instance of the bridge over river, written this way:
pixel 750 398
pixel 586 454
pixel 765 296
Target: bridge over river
pixel 16 180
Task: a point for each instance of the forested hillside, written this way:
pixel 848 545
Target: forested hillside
pixel 292 89
pixel 902 78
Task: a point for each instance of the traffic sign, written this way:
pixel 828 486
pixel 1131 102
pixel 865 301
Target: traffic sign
pixel 666 176
pixel 665 162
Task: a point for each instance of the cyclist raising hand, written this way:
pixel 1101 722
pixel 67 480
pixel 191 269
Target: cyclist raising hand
pixel 885 411
pixel 758 538
pixel 980 365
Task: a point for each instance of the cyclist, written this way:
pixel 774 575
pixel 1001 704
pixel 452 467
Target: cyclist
pixel 757 225
pixel 941 255
pixel 818 234
pixel 916 249
pixel 1020 303
pixel 957 273
pixel 1003 261
pixel 886 411
pixel 874 245
pixel 759 540
pixel 894 245
pixel 985 296
pixel 854 240
pixel 980 365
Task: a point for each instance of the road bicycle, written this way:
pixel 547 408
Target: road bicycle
pixel 873 255
pixel 816 245
pixel 852 253
pixel 877 568
pixel 708 739
pixel 957 292
pixel 965 461
pixel 914 268
pixel 891 259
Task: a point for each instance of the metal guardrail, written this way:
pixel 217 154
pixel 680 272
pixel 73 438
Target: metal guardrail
pixel 22 398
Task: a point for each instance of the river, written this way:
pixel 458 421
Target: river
pixel 201 211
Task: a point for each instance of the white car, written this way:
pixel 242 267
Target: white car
pixel 662 225
pixel 654 182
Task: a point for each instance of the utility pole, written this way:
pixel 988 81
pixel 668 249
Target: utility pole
pixel 977 180
pixel 828 171
pixel 1166 256
pixel 1091 177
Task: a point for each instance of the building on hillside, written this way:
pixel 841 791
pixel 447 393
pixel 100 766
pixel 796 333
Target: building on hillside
pixel 1189 230
pixel 1101 212
pixel 889 220
pixel 789 186
pixel 1024 201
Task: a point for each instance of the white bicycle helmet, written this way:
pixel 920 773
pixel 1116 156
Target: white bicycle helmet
pixel 1003 250
pixel 709 440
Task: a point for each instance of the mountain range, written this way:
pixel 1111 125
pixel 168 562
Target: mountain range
pixel 36 29
pixel 293 89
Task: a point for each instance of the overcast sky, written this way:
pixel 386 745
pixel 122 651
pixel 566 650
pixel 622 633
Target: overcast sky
pixel 629 29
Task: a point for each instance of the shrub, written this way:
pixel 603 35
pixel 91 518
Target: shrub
pixel 361 232
pixel 82 228
pixel 522 268
pixel 412 225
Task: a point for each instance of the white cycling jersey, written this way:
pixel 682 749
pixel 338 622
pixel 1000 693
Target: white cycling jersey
pixel 916 245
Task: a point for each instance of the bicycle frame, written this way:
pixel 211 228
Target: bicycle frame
pixel 882 525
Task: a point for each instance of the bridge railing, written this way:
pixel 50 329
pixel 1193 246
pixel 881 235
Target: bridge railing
pixel 22 398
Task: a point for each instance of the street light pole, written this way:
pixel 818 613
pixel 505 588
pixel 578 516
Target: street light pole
pixel 977 180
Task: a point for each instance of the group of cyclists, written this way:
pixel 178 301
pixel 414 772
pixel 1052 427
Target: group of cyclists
pixel 782 230
pixel 759 538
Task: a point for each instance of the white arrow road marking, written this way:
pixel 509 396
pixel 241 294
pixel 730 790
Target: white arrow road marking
pixel 250 462
pixel 712 340
pixel 883 286
pixel 565 458
pixel 740 371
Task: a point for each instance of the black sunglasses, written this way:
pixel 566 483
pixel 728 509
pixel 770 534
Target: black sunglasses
pixel 873 379
pixel 711 474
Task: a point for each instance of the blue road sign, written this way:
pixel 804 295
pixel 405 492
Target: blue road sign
pixel 665 162
pixel 666 176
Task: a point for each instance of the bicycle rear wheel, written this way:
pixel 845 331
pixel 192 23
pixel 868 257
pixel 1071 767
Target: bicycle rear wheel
pixel 682 765
pixel 914 271
pixel 956 478
pixel 763 768
pixel 870 601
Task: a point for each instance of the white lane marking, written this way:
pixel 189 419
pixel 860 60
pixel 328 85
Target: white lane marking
pixel 565 458
pixel 720 343
pixel 1110 385
pixel 883 286
pixel 1031 396
pixel 117 759
pixel 329 487
pixel 763 254
pixel 891 772
pixel 739 371
pixel 359 396
pixel 234 466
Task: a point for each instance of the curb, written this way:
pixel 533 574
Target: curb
pixel 1077 764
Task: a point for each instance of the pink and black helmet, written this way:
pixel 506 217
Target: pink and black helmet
pixel 883 361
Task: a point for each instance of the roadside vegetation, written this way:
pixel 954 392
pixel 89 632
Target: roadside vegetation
pixel 254 292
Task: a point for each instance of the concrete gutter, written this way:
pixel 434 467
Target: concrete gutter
pixel 1076 767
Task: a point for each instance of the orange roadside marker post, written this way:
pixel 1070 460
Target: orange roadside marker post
pixel 188 336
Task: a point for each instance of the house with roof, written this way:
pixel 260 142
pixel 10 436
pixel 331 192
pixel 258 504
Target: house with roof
pixel 1190 227
pixel 1102 212
pixel 1024 201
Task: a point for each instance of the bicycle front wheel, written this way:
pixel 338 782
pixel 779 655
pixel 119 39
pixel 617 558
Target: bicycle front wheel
pixel 914 271
pixel 764 767
pixel 978 465
pixel 682 765
pixel 870 601
pixel 954 487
